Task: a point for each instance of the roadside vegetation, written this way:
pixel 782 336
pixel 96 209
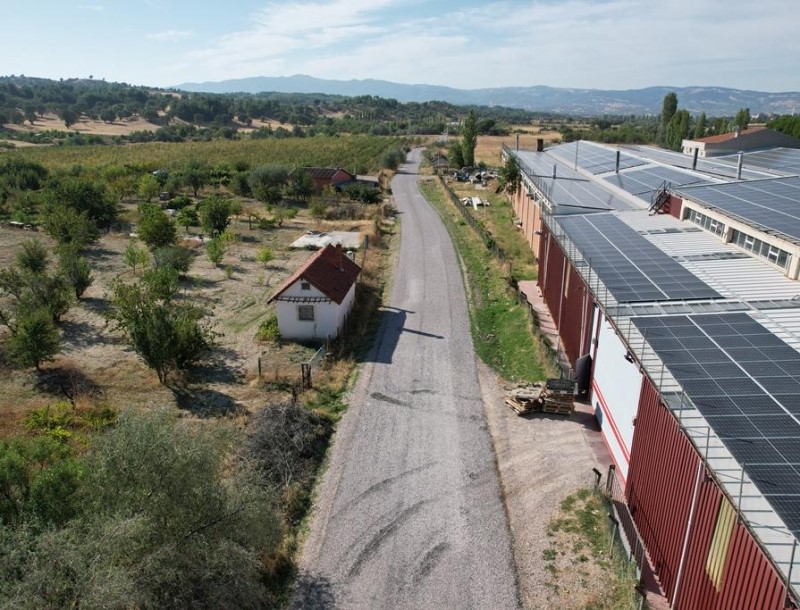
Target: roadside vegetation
pixel 587 569
pixel 501 329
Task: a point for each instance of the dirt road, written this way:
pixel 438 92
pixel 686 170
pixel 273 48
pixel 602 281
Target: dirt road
pixel 409 514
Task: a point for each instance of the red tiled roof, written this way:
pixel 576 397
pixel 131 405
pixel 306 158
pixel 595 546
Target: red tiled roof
pixel 724 137
pixel 326 173
pixel 330 271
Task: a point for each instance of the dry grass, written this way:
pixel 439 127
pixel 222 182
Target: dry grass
pixel 85 125
pixel 489 147
pixel 100 360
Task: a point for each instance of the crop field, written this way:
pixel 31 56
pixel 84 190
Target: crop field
pixel 358 154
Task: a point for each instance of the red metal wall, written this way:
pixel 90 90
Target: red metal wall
pixel 659 491
pixel 675 205
pixel 529 214
pixel 571 310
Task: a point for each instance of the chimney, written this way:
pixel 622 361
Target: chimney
pixel 616 171
pixel 539 144
pixel 736 131
pixel 739 166
pixel 554 170
pixel 517 142
pixel 339 255
pixel 694 159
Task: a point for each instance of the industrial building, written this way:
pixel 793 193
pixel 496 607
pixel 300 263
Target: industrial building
pixel 673 282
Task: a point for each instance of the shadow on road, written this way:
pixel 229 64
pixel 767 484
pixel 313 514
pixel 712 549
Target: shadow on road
pixel 313 592
pixel 394 324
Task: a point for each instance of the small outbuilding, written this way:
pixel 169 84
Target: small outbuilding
pixel 314 302
pixel 754 138
pixel 335 177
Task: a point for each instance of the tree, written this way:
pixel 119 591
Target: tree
pixel 456 155
pixel 173 257
pixel 469 138
pixel 265 256
pixel 742 119
pixel 156 229
pixel 134 256
pixel 195 176
pixel 69 116
pixel 215 250
pixel 81 195
pixel 76 270
pixel 678 129
pixel 267 183
pixel 167 336
pixel 301 185
pixel 510 175
pixel 187 217
pixel 34 339
pixel 148 187
pixel 215 215
pixel 669 107
pixel 68 228
pixel 33 257
pixel 700 126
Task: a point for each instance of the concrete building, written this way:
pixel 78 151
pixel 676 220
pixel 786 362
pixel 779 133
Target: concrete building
pixel 754 138
pixel 314 302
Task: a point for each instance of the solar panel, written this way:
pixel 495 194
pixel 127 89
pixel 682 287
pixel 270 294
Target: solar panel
pixel 633 269
pixel 644 182
pixel 593 158
pixel 772 205
pixel 756 413
pixel 716 167
pixel 785 160
pixel 569 192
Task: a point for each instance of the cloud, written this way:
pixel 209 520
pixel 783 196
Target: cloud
pixel 170 35
pixel 567 43
pixel 97 8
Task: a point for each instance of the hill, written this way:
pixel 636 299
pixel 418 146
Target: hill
pixel 711 100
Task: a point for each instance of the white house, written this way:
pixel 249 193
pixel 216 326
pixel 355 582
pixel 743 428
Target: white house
pixel 314 302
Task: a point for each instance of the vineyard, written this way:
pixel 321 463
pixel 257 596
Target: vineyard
pixel 358 154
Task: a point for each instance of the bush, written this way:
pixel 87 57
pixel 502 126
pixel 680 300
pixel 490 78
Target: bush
pixel 155 228
pixel 77 271
pixel 173 257
pixel 268 331
pixel 215 249
pixel 162 282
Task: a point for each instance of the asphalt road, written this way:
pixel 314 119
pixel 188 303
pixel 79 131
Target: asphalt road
pixel 409 513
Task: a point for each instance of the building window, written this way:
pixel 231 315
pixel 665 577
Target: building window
pixel 305 313
pixel 762 249
pixel 709 224
pixel 720 542
pixel 305 286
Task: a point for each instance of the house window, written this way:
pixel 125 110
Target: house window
pixel 305 313
pixel 720 542
pixel 709 224
pixel 305 286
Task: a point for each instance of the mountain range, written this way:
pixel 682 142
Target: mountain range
pixel 714 101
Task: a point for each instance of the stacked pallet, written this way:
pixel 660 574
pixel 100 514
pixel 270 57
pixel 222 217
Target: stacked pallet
pixel 526 399
pixel 553 396
pixel 559 397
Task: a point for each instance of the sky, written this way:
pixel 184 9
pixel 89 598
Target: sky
pixel 598 44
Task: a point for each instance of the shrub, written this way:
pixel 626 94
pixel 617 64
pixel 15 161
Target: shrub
pixel 215 250
pixel 173 257
pixel 268 331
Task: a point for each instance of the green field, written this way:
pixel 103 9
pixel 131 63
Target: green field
pixel 358 154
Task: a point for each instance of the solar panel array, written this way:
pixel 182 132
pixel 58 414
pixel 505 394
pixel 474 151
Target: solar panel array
pixel 716 167
pixel 773 204
pixel 644 182
pixel 744 381
pixel 569 192
pixel 632 268
pixel 594 159
pixel 785 160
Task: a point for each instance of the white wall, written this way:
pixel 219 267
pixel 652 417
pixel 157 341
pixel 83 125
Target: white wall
pixel 328 316
pixel 615 395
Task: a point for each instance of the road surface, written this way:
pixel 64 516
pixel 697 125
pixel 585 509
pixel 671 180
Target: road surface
pixel 409 513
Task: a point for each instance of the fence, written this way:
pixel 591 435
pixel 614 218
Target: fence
pixel 305 382
pixel 625 535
